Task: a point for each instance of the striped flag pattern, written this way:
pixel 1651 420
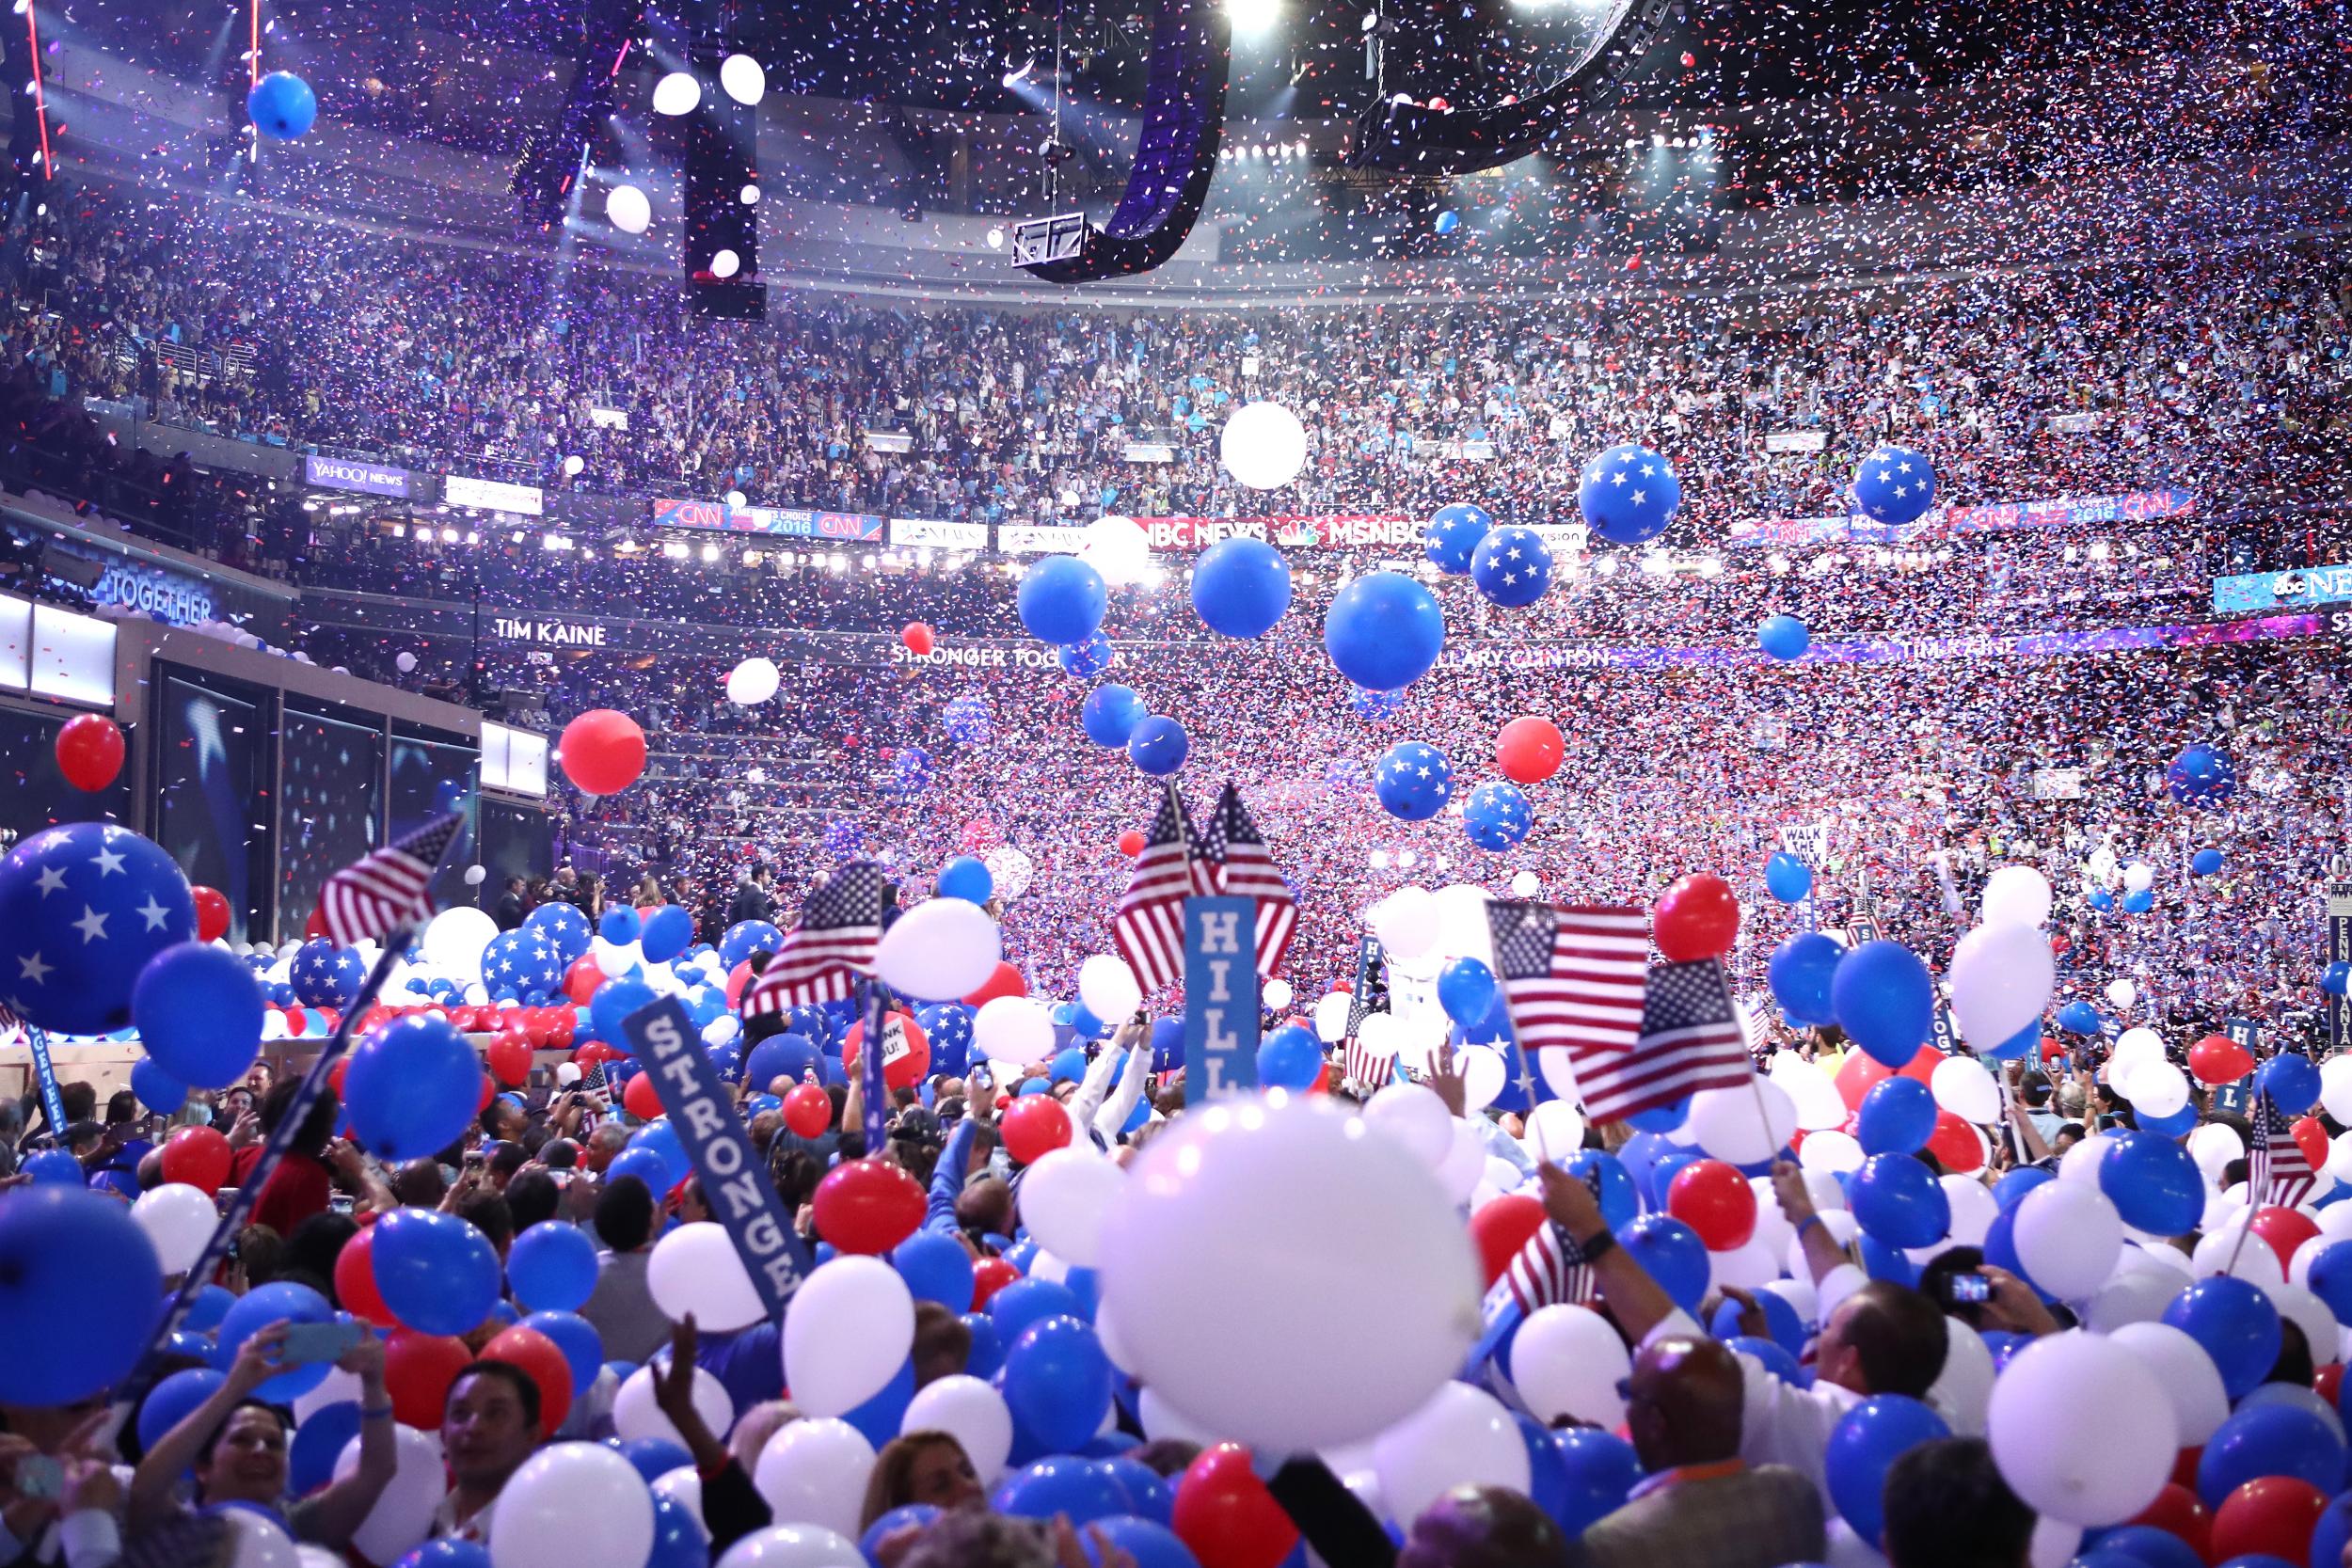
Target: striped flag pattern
pixel 1149 928
pixel 1690 1040
pixel 386 889
pixel 823 958
pixel 2275 1165
pixel 1234 845
pixel 1370 1067
pixel 1571 977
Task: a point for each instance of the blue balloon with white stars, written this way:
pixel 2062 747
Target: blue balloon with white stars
pixel 910 773
pixel 1497 816
pixel 1452 535
pixel 566 929
pixel 1512 567
pixel 1414 780
pixel 1894 485
pixel 947 1028
pixel 1375 705
pixel 1089 658
pixel 83 908
pixel 747 937
pixel 1629 494
pixel 325 976
pixel 522 963
pixel 966 720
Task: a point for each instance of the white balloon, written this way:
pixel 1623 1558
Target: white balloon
pixel 2335 1087
pixel 971 1412
pixel 260 1540
pixel 2068 1236
pixel 1330 1017
pixel 1015 1030
pixel 1962 1087
pixel 2304 1310
pixel 1963 1389
pixel 179 1219
pixel 1483 1076
pixel 1750 1266
pixel 676 93
pixel 684 1487
pixel 627 207
pixel 2138 877
pixel 2000 981
pixel 694 1268
pixel 1106 985
pixel 405 662
pixel 2081 1162
pixel 542 1505
pixel 1463 928
pixel 849 1329
pixel 1744 1125
pixel 403 1513
pixel 2130 1296
pixel 335 1388
pixel 1287 1205
pixel 1819 1106
pixel 637 1413
pixel 1461 1436
pixel 1555 1131
pixel 1568 1361
pixel 1415 1117
pixel 2214 1145
pixel 2081 1428
pixel 1974 1209
pixel 2158 1089
pixel 455 940
pixel 1118 550
pixel 1464 1164
pixel 754 681
pixel 1406 922
pixel 614 958
pixel 742 79
pixel 1262 446
pixel 1830 1152
pixel 814 1470
pixel 1067 1196
pixel 2122 993
pixel 1524 884
pixel 2191 1382
pixel 2255 1262
pixel 1277 994
pixel 941 947
pixel 2016 894
pixel 794 1547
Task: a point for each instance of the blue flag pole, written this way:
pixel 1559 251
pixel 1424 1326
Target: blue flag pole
pixel 870 1068
pixel 45 1071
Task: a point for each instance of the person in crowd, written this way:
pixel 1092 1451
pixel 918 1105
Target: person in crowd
pixel 513 905
pixel 920 1467
pixel 1947 1507
pixel 621 1308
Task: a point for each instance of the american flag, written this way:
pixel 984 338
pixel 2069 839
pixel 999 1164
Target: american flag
pixel 822 958
pixel 389 888
pixel 1148 928
pixel 1232 844
pixel 2275 1167
pixel 1549 1271
pixel 1571 977
pixel 1690 1040
pixel 1373 1069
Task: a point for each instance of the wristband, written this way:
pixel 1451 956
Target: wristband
pixel 1810 1220
pixel 1600 1245
pixel 374 1413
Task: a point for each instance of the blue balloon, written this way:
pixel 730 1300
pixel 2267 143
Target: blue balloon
pixel 1863 1445
pixel 2022 1043
pixel 1787 877
pixel 1894 485
pixel 1898 1116
pixel 577 1338
pixel 621 925
pixel 2291 1082
pixel 452 1554
pixel 966 878
pixel 2152 1182
pixel 438 1273
pixel 1776 1357
pixel 281 105
pixel 1150 1541
pixel 1088 659
pixel 2330 1279
pixel 2269 1440
pixel 612 1003
pixel 2101 899
pixel 1618 1201
pixel 54 1167
pixel 67 963
pixel 678 1541
pixel 2140 902
pixel 889 1524
pixel 1149 1494
pixel 2205 862
pixel 1062 599
pixel 1890 1263
pixel 1081 1488
pixel 2329 1540
pixel 1601 1469
pixel 256 1310
pixel 669 931
pixel 1057 1380
pixel 412 1087
pixel 172 1399
pixel 880 1417
pixel 523 963
pixel 1241 587
pixel 1801 971
pixel 1069 1066
pixel 1384 631
pixel 1896 1199
pixel 1448 221
pixel 1168 1044
pixel 567 930
pixel 1783 637
pixel 317 1443
pixel 966 720
pixel 1110 714
pixel 2146 1547
pixel 1158 746
pixel 2200 777
pixel 551 1266
pixel 1628 495
pixel 1885 1001
pixel 2079 1018
pixel 1289 1058
pixel 1673 1254
pixel 662 1139
pixel 1497 816
pixel 198 1011
pixel 2237 1325
pixel 791 1057
pixel 325 976
pixel 1453 533
pixel 1024 1301
pixel 1466 989
pixel 987 1355
pixel 935 1268
pixel 1512 567
pixel 211 1304
pixel 947 1025
pixel 1413 781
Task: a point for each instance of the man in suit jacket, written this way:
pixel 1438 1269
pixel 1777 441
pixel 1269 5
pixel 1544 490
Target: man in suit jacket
pixel 754 898
pixel 1701 1502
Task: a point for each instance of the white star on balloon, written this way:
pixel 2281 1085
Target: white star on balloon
pixel 154 914
pixel 92 925
pixel 110 863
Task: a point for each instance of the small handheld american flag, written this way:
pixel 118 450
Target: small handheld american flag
pixel 2276 1168
pixel 1232 844
pixel 1549 1271
pixel 1372 1068
pixel 1149 928
pixel 1690 1040
pixel 823 958
pixel 1571 977
pixel 388 888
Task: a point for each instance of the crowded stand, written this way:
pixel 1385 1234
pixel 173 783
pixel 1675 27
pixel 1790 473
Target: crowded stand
pixel 1682 928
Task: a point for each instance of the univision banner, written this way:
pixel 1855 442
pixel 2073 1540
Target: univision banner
pixel 778 522
pixel 2269 590
pixel 1995 517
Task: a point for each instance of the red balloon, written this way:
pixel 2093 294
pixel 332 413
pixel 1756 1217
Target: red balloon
pixel 562 1021
pixel 918 638
pixel 1005 981
pixel 489 1092
pixel 1502 1228
pixel 602 751
pixel 640 1099
pixel 1529 749
pixel 355 1280
pixel 2273 1514
pixel 1035 1125
pixel 315 926
pixel 2219 1059
pixel 1715 1200
pixel 2312 1138
pixel 536 1357
pixel 1956 1144
pixel 417 1370
pixel 1698 917
pixel 581 981
pixel 2327 1382
pixel 2284 1228
pixel 867 1206
pixel 808 1110
pixel 989 1275
pixel 906 1054
pixel 738 977
pixel 2179 1510
pixel 89 750
pixel 1131 843
pixel 1227 1517
pixel 296 1020
pixel 198 1156
pixel 211 915
pixel 509 1055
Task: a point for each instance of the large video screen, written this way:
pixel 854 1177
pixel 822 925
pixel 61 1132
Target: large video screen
pixel 516 841
pixel 214 809
pixel 432 776
pixel 330 803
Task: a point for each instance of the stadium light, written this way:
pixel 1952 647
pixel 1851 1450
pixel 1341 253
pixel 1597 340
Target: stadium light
pixel 1253 18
